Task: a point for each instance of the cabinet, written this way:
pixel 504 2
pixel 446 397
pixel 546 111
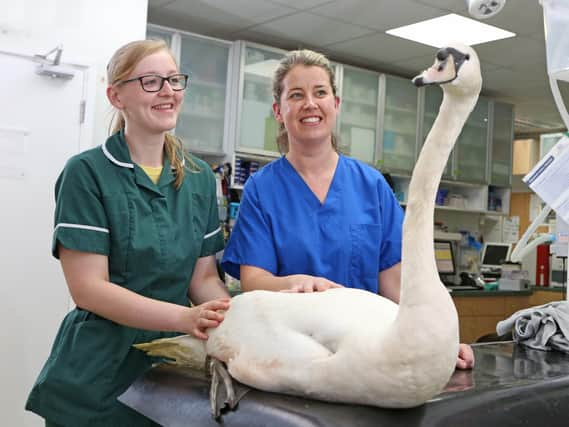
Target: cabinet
pixel 468 160
pixel 501 144
pixel 471 149
pixel 358 118
pixel 202 125
pixel 398 147
pixel 158 33
pixel 256 127
pixel 480 312
pixel 432 99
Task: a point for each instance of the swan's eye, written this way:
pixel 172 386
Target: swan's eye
pixel 467 56
pixel 440 67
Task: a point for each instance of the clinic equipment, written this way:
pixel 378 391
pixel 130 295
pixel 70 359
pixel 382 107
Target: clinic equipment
pixel 549 177
pixel 494 255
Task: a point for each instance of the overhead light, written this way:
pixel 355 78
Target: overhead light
pixel 439 31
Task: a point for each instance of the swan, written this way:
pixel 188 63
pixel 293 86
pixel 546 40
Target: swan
pixel 349 345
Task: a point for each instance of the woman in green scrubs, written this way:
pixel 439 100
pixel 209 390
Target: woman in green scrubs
pixel 136 231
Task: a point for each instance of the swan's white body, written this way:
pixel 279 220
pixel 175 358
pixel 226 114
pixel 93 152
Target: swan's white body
pixel 349 345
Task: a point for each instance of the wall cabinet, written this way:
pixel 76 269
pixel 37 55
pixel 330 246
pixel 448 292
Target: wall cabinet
pixel 501 143
pixel 358 119
pixel 468 160
pixel 398 147
pixel 256 128
pixel 203 121
pixel 471 149
pixel 383 119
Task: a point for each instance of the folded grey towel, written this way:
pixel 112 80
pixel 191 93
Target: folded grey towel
pixel 545 327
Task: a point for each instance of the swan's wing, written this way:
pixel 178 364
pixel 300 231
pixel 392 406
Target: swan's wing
pixel 183 350
pixel 269 340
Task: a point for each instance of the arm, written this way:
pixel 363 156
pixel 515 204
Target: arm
pixel 88 280
pixel 390 283
pixel 205 284
pixel 255 278
pixel 465 357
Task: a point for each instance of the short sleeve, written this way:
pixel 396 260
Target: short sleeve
pixel 251 241
pixel 392 226
pixel 80 220
pixel 213 239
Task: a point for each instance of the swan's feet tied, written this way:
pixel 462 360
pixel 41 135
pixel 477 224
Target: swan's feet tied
pixel 221 392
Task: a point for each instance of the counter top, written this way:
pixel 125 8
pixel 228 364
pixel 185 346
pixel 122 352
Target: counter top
pixel 497 293
pixel 511 385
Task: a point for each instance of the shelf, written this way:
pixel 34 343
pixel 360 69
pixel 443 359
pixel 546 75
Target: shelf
pixel 397 132
pixel 390 108
pixel 202 115
pixel 201 152
pixel 256 78
pixel 206 84
pixel 360 102
pixel 361 124
pixel 256 154
pixel 465 210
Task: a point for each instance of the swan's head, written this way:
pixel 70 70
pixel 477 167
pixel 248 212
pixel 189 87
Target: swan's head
pixel 456 69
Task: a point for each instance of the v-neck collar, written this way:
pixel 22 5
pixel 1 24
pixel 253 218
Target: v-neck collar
pixel 308 194
pixel 116 150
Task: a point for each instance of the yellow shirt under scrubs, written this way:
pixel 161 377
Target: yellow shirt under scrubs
pixel 153 235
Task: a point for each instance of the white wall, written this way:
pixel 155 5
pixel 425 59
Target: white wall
pixel 89 30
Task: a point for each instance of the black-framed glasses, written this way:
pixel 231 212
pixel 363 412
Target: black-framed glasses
pixel 155 83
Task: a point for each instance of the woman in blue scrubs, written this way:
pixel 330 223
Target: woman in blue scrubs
pixel 315 219
pixel 136 231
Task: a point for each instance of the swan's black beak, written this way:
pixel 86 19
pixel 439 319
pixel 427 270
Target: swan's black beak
pixel 445 70
pixel 458 56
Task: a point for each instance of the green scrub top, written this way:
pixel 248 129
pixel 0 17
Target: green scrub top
pixel 153 235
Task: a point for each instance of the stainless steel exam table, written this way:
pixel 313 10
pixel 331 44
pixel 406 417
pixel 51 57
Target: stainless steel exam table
pixel 511 385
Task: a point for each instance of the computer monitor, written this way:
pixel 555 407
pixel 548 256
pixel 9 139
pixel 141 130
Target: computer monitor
pixel 494 255
pixel 444 257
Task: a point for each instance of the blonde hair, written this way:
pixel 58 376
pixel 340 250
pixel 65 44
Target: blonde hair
pixel 308 58
pixel 121 65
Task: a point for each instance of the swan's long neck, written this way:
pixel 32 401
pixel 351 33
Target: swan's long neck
pixel 419 271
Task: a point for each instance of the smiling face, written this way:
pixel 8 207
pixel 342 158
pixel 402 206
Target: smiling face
pixel 307 105
pixel 149 112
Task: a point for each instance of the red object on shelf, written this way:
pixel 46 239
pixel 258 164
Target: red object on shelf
pixel 542 266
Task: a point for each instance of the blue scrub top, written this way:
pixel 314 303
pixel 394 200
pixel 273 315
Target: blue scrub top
pixel 283 228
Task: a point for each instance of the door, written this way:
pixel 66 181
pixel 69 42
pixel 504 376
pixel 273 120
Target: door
pixel 39 130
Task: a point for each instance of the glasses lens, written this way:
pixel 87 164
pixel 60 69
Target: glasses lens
pixel 151 83
pixel 178 81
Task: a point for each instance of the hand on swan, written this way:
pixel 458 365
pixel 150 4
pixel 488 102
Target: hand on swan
pixel 307 283
pixel 204 316
pixel 465 357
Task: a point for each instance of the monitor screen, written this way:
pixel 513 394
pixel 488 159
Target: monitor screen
pixel 495 254
pixel 444 257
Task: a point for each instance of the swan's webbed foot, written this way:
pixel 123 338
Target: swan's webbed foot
pixel 220 397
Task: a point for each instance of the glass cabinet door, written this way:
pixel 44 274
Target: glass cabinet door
pixel 472 146
pixel 257 125
pixel 201 123
pixel 502 140
pixel 153 33
pixel 399 125
pixel 358 114
pixel 433 100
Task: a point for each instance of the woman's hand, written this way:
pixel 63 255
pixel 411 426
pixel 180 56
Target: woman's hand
pixel 465 357
pixel 207 315
pixel 306 283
